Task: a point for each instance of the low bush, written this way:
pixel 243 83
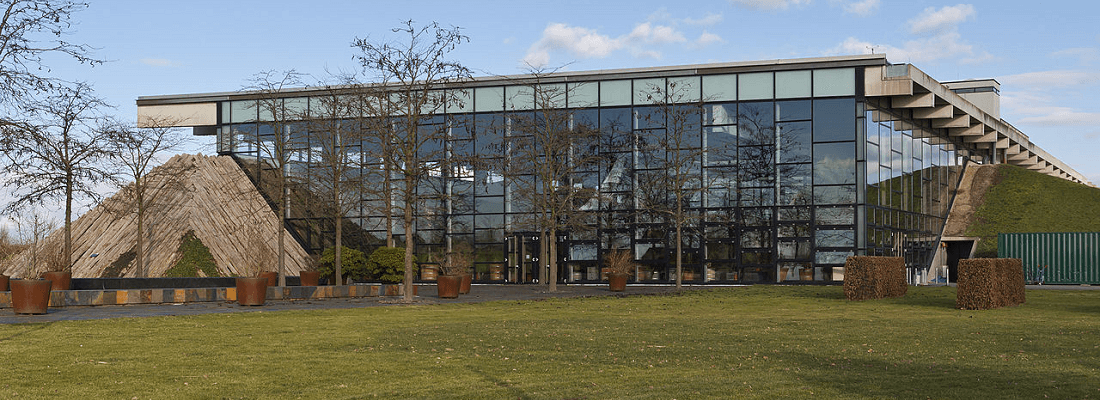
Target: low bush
pixel 871 277
pixel 988 283
pixel 353 264
pixel 387 264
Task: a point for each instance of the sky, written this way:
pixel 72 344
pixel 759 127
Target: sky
pixel 1046 55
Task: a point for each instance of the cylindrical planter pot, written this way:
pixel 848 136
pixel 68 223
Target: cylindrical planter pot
pixel 4 283
pixel 805 274
pixel 309 278
pixel 447 286
pixel 428 272
pixel 251 291
pixel 464 288
pixel 30 296
pixel 496 272
pixel 272 278
pixel 61 280
pixel 617 282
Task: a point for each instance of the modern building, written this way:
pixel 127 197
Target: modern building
pixel 799 163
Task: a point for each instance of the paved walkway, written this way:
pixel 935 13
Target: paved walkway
pixel 479 293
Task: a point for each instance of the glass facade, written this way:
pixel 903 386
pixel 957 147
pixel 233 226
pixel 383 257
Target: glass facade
pixel 793 171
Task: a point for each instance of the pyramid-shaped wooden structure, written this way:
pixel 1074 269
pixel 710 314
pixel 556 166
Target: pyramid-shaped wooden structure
pixel 208 195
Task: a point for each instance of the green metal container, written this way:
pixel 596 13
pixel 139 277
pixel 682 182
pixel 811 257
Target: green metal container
pixel 1067 258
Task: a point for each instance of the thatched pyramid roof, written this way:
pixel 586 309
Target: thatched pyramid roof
pixel 208 195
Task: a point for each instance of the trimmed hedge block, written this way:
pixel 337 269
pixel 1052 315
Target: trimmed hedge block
pixel 988 283
pixel 871 277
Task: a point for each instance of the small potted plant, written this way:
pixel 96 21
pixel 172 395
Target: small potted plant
pixel 310 276
pixel 455 269
pixel 619 264
pixel 30 295
pixel 252 286
pixel 58 270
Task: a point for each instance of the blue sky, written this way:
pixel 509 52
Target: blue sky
pixel 1046 55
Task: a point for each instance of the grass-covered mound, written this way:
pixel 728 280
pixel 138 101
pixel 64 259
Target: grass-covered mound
pixel 1022 200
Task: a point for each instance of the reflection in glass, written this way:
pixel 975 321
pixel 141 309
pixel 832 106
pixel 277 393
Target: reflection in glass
pixel 834 164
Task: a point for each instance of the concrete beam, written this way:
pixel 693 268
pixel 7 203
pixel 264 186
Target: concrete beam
pixel 962 121
pixel 915 101
pixel 976 130
pixel 945 111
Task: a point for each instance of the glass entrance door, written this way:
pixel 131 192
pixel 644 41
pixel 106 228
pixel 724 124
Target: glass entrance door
pixel 524 250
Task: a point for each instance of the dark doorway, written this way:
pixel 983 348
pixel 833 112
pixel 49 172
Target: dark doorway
pixel 957 250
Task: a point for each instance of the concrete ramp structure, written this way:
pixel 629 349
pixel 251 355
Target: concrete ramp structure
pixel 210 196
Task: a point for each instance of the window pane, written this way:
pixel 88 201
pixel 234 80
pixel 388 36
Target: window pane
pixel 834 164
pixel 489 99
pixel 720 87
pixel 720 114
pixel 790 84
pixel 615 93
pixel 794 142
pixel 584 94
pixel 835 238
pixel 755 86
pixel 519 98
pixel 649 91
pixel 835 82
pixel 792 110
pixel 683 90
pixel 834 120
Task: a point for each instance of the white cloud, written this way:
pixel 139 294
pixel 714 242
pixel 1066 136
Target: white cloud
pixel 583 43
pixel 158 62
pixel 708 20
pixel 936 37
pixel 1082 54
pixel 770 4
pixel 1048 79
pixel 650 34
pixel 707 38
pixel 927 49
pixel 931 19
pixel 1057 116
pixel 861 8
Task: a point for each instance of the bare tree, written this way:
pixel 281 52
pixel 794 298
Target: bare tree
pixel 32 228
pixel 548 153
pixel 337 133
pixel 29 31
pixel 415 69
pixel 672 150
pixel 276 139
pixel 59 156
pixel 137 150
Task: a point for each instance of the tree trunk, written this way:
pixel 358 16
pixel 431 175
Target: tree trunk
pixel 68 246
pixel 281 227
pixel 141 272
pixel 339 220
pixel 679 257
pixel 552 249
pixel 409 275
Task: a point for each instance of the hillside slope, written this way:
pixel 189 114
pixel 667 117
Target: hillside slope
pixel 1020 200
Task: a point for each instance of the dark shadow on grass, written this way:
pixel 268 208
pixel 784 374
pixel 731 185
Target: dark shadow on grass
pixel 873 376
pixel 37 327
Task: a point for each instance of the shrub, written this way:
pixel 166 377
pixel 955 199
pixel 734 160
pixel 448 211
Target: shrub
pixel 619 261
pixel 869 277
pixel 988 283
pixel 353 263
pixel 194 257
pixel 387 264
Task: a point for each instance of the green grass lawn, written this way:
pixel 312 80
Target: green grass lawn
pixel 753 342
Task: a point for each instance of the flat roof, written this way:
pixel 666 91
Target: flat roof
pixel 578 76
